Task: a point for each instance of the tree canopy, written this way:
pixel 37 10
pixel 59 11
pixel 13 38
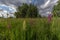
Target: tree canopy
pixel 26 11
pixel 56 10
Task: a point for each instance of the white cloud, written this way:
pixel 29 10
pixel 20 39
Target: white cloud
pixel 4 12
pixel 47 7
pixel 45 4
pixel 23 1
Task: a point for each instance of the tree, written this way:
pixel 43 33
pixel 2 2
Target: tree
pixel 26 11
pixel 32 11
pixel 56 9
pixel 21 11
pixel 17 14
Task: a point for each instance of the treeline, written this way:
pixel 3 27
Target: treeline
pixel 27 11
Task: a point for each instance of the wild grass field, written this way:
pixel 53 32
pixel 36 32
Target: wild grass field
pixel 30 29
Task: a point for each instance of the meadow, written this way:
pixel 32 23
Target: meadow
pixel 29 29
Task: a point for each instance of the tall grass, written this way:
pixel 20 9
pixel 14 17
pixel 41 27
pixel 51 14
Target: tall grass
pixel 29 29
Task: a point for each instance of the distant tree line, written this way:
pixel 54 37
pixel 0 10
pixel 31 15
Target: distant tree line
pixel 26 11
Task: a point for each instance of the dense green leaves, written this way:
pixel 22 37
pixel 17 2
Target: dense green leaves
pixel 56 10
pixel 26 11
pixel 32 11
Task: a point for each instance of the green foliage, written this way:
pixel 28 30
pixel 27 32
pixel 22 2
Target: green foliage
pixel 56 9
pixel 26 11
pixel 32 11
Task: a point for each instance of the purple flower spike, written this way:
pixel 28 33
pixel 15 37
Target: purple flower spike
pixel 49 18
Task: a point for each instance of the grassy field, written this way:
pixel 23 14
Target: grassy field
pixel 29 29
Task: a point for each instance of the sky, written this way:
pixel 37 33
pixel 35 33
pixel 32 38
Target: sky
pixel 7 8
pixel 44 6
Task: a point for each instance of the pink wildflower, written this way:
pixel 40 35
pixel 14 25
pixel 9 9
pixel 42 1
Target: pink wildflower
pixel 49 18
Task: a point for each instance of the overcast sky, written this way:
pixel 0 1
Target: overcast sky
pixel 22 1
pixel 45 6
